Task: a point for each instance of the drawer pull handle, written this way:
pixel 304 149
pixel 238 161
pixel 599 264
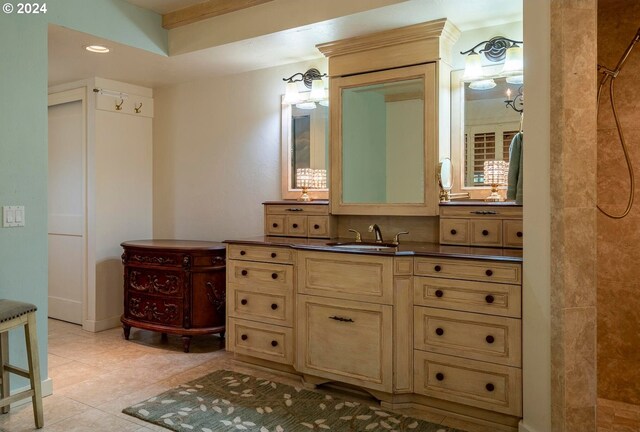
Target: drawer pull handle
pixel 490 339
pixel 274 306
pixel 243 253
pixel 274 275
pixel 275 225
pixel 316 226
pixel 485 232
pixel 439 331
pixel 439 376
pixel 337 318
pixel 454 232
pixel 243 302
pixel 295 225
pixel 489 299
pixel 439 293
pixel 244 272
pixel 489 272
pixel 490 387
pixel 484 212
pixel 295 209
pixel 519 234
pixel 274 343
pixel 273 254
pixel 437 268
pixel 244 337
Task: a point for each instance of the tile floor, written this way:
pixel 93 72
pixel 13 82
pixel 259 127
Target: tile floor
pixel 96 375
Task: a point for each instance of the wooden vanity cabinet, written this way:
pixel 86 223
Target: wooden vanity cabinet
pixel 175 287
pixel 481 225
pixel 299 219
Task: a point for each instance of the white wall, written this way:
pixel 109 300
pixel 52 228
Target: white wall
pixel 217 153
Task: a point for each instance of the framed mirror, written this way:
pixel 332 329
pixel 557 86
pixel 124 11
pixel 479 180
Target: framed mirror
pixel 482 127
pixel 305 144
pixel 383 138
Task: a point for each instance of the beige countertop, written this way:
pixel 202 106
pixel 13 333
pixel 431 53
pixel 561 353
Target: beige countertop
pixel 404 249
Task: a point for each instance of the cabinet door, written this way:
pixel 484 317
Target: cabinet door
pixel 346 341
pixel 274 225
pixel 296 226
pixel 512 233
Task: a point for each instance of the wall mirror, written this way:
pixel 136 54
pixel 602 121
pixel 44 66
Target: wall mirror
pixel 482 127
pixel 305 144
pixel 383 139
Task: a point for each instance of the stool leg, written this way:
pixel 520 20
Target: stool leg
pixel 4 360
pixel 31 335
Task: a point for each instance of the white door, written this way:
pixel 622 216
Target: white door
pixel 66 216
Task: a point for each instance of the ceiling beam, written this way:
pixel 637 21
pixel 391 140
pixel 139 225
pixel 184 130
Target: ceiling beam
pixel 204 10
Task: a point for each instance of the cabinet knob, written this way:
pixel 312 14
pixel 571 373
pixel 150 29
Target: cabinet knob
pixel 243 302
pixel 437 268
pixel 274 275
pixel 243 253
pixel 454 232
pixel 490 339
pixel 439 331
pixel 489 299
pixel 244 272
pixel 274 343
pixel 316 226
pixel 275 225
pixel 295 225
pixel 273 254
pixel 439 376
pixel 244 337
pixel 485 232
pixel 274 306
pixel 490 387
pixel 519 234
pixel 489 272
pixel 439 293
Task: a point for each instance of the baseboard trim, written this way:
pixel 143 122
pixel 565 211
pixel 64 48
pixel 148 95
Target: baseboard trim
pixel 101 325
pixel 524 428
pixel 47 390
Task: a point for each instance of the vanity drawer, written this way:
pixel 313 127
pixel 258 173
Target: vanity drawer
pixel 260 275
pixel 470 382
pixel 260 253
pixel 269 306
pixel 261 340
pixel 463 334
pixel 485 211
pixel 512 233
pixel 485 232
pixel 485 271
pixel 346 341
pixel 295 226
pixel 470 296
pixel 318 226
pixel 344 275
pixel 454 231
pixel 297 208
pixel 274 225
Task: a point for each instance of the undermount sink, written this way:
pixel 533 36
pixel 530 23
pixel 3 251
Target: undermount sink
pixel 363 246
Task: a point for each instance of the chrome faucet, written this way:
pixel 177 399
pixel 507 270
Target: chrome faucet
pixel 375 228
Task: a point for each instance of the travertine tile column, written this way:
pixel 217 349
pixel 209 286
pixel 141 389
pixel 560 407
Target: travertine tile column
pixel 573 218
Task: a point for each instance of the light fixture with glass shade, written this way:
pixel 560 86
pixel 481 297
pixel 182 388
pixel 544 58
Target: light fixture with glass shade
pixel 513 62
pixel 495 174
pixel 312 79
pixel 494 50
pixel 485 84
pixel 473 68
pixel 309 178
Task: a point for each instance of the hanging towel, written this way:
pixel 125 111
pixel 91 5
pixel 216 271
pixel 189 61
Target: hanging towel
pixel 514 186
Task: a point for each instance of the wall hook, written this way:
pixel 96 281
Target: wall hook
pixel 119 105
pixel 137 109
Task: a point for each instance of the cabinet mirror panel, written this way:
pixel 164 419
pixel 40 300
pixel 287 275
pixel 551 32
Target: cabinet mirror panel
pixel 305 144
pixel 379 136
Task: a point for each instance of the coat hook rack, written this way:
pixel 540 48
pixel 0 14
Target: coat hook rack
pixel 138 109
pixel 119 105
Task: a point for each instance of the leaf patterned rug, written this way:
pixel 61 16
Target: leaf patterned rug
pixel 225 401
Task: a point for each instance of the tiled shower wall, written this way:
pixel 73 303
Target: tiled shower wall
pixel 618 240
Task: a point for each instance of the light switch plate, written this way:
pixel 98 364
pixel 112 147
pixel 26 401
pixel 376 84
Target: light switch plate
pixel 12 216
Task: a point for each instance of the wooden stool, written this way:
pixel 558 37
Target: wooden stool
pixel 12 315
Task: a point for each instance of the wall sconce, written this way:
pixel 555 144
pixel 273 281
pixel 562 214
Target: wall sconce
pixel 495 50
pixel 309 178
pixel 495 174
pixel 312 79
pixel 517 103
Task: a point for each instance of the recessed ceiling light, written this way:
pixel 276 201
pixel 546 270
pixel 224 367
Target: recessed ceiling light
pixel 97 49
